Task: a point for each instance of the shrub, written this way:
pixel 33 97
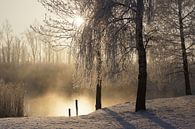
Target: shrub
pixel 11 100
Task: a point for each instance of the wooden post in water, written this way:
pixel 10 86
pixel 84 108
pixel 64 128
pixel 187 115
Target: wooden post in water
pixel 76 104
pixel 69 112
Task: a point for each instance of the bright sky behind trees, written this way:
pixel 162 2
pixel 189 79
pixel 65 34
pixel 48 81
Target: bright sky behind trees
pixel 21 13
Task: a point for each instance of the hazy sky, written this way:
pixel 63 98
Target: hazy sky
pixel 20 13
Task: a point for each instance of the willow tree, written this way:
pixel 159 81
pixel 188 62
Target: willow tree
pixel 112 28
pixel 94 33
pixel 60 25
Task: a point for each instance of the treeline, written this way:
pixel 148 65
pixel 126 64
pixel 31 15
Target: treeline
pixel 29 47
pixel 38 79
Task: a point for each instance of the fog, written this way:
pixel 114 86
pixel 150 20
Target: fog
pixel 49 89
pixel 53 104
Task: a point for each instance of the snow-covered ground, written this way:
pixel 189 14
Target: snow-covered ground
pixel 169 113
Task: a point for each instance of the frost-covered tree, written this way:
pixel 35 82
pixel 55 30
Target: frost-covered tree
pixel 176 26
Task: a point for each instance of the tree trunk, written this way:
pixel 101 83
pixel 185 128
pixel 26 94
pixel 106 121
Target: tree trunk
pixel 142 77
pixel 98 96
pixel 183 47
pixel 98 69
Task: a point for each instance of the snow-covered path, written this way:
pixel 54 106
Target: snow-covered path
pixel 170 113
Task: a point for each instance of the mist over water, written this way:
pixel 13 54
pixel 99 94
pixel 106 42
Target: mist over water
pixel 57 104
pixel 53 104
pixel 49 89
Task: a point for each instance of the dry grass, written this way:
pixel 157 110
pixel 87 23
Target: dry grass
pixel 11 100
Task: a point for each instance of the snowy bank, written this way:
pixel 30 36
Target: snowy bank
pixel 167 113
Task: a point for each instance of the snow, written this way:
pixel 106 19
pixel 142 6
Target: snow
pixel 168 113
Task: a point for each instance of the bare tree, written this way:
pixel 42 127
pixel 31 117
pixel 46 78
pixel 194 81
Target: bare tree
pixel 32 39
pixel 183 46
pixel 8 41
pixel 16 53
pixel 176 24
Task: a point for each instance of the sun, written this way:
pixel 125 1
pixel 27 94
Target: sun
pixel 78 21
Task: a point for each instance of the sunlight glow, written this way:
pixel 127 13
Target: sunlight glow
pixel 55 105
pixel 83 103
pixel 78 21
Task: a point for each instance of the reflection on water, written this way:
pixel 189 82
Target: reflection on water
pixel 55 105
